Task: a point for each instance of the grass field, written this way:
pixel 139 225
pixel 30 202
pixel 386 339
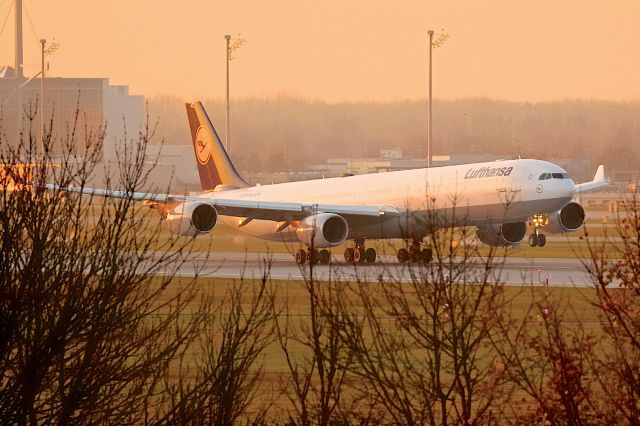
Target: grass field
pixel 576 303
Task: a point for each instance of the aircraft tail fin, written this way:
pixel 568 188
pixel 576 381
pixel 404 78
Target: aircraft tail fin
pixel 214 165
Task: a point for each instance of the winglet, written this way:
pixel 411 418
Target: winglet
pixel 598 181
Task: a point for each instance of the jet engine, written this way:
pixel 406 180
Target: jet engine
pixel 569 218
pixel 322 230
pixel 502 235
pixel 190 219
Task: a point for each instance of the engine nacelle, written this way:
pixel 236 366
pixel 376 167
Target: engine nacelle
pixel 502 235
pixel 190 219
pixel 569 218
pixel 322 230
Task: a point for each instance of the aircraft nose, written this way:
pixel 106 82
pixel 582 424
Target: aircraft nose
pixel 569 187
pixel 564 188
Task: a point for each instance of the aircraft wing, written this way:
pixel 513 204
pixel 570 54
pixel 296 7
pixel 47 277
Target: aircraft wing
pixel 598 182
pixel 254 209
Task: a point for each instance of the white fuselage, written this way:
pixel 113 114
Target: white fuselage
pixel 471 194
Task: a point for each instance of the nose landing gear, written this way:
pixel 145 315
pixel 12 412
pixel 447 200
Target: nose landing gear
pixel 537 238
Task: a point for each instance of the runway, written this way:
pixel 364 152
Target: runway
pixel 514 271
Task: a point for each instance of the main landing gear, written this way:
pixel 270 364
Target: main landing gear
pixel 360 254
pixel 537 238
pixel 414 254
pixel 314 256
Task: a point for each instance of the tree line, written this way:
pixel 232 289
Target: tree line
pixel 277 133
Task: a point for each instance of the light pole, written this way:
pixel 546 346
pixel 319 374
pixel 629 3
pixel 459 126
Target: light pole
pixel 432 44
pixel 226 137
pixel 19 67
pixel 45 52
pixel 230 49
pixel 43 43
pixel 430 100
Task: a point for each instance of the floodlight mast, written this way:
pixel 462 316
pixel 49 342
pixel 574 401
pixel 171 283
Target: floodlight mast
pixel 43 43
pixel 430 130
pixel 226 137
pixel 432 44
pixel 19 71
pixel 230 49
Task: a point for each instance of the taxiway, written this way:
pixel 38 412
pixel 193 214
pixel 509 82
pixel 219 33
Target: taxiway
pixel 513 271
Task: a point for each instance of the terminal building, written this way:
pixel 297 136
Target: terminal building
pixel 94 101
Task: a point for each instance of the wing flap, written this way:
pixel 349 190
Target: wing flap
pixel 283 211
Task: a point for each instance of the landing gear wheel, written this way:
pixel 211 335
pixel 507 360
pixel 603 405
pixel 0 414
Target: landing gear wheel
pixel 414 253
pixel 301 257
pixel 403 255
pixel 370 255
pixel 313 257
pixel 542 240
pixel 426 255
pixel 358 255
pixel 348 255
pixel 325 256
pixel 533 240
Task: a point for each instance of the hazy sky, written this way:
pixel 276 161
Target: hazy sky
pixel 338 50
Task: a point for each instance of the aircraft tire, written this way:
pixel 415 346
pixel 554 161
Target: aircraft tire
pixel 325 256
pixel 370 255
pixel 313 257
pixel 542 240
pixel 533 240
pixel 359 255
pixel 301 257
pixel 426 255
pixel 403 255
pixel 414 254
pixel 348 255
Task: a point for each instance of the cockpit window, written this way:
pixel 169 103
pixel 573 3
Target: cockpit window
pixel 561 176
pixel 546 176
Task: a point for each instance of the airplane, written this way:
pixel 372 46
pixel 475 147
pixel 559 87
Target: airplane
pixel 498 198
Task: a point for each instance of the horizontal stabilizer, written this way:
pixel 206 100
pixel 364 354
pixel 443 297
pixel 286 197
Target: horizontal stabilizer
pixel 598 182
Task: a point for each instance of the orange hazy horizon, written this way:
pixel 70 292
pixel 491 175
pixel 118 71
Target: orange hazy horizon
pixel 341 50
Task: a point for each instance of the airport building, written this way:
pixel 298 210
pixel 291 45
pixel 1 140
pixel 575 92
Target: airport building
pixel 95 101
